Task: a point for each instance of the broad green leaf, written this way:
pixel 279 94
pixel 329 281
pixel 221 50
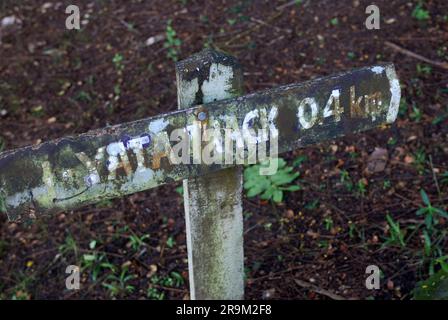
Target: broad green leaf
pixel 433 288
pixel 292 188
pixel 427 243
pixel 278 196
pixel 425 197
pixel 89 257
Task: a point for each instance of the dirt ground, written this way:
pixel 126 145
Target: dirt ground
pixel 318 242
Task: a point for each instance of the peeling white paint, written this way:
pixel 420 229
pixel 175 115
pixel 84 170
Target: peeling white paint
pixel 377 69
pixel 334 99
pixel 189 90
pixel 395 91
pixel 158 125
pixel 308 121
pixel 219 84
pixel 118 158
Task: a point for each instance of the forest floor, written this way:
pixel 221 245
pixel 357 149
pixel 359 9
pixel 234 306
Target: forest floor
pixel 317 243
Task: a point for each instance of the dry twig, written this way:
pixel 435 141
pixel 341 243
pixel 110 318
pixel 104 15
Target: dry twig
pixel 443 65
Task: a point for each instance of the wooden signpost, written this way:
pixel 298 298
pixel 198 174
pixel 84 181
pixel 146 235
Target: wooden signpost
pixel 71 172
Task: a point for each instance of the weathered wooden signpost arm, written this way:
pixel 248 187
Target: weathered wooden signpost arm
pixel 127 158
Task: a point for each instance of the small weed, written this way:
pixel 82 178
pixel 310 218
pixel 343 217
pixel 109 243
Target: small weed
pixel 351 229
pixel 68 246
pixel 417 114
pixel 231 22
pixel 173 280
pixel 420 160
pixel 423 69
pixel 170 242
pixel 403 109
pixel 118 62
pixel 38 111
pixel 95 262
pixel 328 221
pixel 119 284
pixel 180 190
pixel 396 233
pixel 361 187
pixel 436 286
pixel 83 96
pixel 299 160
pixel 334 21
pixel 430 213
pixel 155 294
pixel 172 43
pixel 346 180
pixel 137 242
pixel 267 226
pixel 439 119
pixel 392 141
pixel 312 205
pixel 419 13
pixel 270 187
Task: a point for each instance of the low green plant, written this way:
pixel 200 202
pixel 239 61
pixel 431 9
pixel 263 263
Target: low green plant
pixel 436 286
pixel 180 190
pixel 352 229
pixel 172 42
pixel 174 280
pixel 155 294
pixel 396 233
pixel 83 96
pixel 119 284
pixel 420 160
pixel 334 21
pixel 328 221
pixel 270 187
pixel 416 114
pixel 346 180
pixel 312 205
pixel 419 13
pixel 95 262
pixel 69 246
pixel 299 160
pixel 423 69
pixel 430 213
pixel 170 242
pixel 361 187
pixel 118 62
pixel 137 242
pixel 403 108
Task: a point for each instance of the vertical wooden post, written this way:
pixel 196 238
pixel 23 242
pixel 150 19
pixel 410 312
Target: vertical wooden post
pixel 213 208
